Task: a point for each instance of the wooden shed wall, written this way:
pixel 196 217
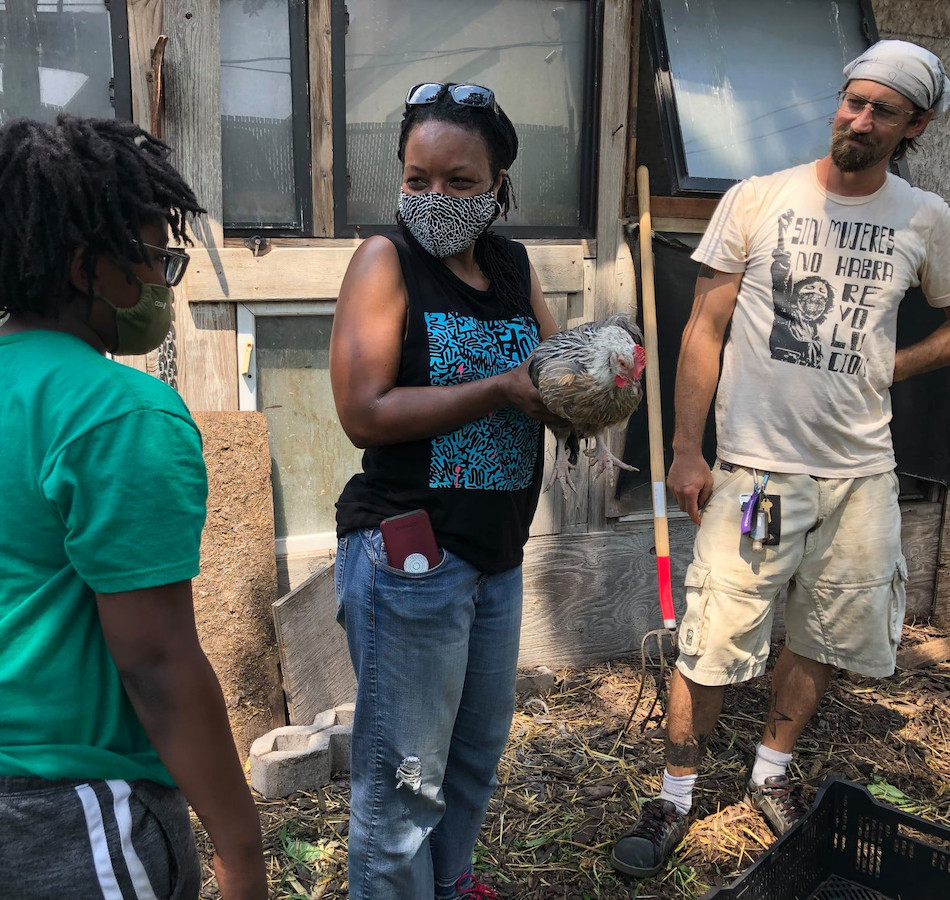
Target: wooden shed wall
pixel 583 279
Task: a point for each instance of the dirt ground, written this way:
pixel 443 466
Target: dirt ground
pixel 572 780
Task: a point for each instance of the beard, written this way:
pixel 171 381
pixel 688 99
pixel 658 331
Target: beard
pixel 848 158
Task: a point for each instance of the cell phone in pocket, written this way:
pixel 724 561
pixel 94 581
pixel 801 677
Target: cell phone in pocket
pixel 410 541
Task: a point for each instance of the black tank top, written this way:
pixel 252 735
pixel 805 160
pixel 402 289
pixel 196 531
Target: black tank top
pixel 479 484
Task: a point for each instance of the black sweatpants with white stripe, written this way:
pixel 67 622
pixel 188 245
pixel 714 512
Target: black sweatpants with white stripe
pixel 113 839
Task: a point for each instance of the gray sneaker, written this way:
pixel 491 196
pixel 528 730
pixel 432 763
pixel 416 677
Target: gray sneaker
pixel 643 851
pixel 779 800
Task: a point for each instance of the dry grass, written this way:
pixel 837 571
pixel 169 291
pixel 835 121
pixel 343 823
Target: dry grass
pixel 571 782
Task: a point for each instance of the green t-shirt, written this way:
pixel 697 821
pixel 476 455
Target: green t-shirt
pixel 102 489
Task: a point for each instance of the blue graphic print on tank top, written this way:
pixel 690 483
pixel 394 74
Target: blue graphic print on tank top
pixel 498 451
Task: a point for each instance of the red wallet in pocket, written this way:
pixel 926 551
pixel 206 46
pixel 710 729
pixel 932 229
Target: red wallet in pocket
pixel 410 542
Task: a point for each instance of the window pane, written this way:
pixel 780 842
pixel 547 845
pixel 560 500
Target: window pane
pixel 755 89
pixel 312 459
pixel 55 57
pixel 532 52
pixel 257 141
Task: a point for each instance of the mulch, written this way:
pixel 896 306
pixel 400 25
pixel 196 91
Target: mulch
pixel 573 778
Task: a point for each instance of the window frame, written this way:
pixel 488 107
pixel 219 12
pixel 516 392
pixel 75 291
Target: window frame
pixel 246 346
pixel 683 184
pixel 298 13
pixel 589 151
pixel 121 84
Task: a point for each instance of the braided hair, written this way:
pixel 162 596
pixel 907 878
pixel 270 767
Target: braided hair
pixel 492 254
pixel 90 183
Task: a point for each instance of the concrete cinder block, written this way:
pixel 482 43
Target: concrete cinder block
pixel 302 757
pixel 539 680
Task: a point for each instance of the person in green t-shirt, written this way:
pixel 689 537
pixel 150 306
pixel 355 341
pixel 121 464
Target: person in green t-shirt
pixel 107 703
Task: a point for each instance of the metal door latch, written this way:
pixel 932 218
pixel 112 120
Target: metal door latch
pixel 257 244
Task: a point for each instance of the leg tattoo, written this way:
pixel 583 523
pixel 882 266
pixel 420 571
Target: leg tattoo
pixel 688 754
pixel 775 716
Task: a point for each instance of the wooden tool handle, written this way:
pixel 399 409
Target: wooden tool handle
pixel 654 409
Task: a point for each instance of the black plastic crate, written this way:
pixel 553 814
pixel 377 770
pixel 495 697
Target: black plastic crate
pixel 850 847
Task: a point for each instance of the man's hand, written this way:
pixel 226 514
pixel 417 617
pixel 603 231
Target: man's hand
pixel 242 879
pixel 697 374
pixel 691 481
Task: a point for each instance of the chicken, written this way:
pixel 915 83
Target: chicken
pixel 590 376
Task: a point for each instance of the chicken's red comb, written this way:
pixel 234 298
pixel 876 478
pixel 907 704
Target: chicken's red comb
pixel 639 361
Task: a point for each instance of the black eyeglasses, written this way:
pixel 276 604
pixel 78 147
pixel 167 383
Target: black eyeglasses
pixel 882 113
pixel 176 261
pixel 474 95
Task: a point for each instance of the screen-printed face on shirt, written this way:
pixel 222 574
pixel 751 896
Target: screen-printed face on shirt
pixel 813 300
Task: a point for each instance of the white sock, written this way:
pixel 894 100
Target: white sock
pixel 768 764
pixel 678 789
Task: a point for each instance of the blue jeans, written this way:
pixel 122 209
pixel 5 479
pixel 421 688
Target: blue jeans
pixel 435 656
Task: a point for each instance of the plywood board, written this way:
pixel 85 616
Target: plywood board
pixel 590 597
pixel 316 273
pixel 920 531
pixel 941 600
pixel 929 653
pixel 313 654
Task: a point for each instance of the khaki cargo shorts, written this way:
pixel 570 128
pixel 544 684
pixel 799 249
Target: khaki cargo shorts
pixel 840 555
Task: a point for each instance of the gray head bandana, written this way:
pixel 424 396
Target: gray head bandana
pixel 446 225
pixel 908 69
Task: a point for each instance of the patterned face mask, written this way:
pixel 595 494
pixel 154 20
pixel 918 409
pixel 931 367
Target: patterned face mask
pixel 446 225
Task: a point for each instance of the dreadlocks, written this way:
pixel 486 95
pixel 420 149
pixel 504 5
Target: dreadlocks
pixel 91 183
pixel 491 252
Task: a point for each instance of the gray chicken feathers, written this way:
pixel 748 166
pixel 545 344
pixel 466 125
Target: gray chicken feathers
pixel 568 370
pixel 580 378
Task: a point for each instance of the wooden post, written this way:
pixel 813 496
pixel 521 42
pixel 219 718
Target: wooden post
pixel 614 285
pixel 321 117
pixel 203 347
pixel 634 92
pixel 145 30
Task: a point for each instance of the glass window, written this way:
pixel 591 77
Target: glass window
pixel 58 57
pixel 312 458
pixel 748 87
pixel 533 53
pixel 264 114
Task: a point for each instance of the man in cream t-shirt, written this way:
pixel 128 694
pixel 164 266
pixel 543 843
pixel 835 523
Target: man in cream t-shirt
pixel 807 268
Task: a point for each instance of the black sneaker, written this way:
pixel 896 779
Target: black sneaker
pixel 643 851
pixel 779 800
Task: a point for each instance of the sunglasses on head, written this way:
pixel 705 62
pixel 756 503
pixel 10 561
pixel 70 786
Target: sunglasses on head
pixel 474 95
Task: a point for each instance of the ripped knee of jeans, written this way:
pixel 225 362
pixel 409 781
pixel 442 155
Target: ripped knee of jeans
pixel 409 773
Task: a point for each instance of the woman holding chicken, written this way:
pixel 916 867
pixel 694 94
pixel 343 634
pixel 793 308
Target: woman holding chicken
pixel 433 324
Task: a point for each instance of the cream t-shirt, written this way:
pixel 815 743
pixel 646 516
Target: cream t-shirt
pixel 810 356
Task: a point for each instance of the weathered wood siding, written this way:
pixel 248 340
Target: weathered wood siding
pixel 582 280
pixel 925 22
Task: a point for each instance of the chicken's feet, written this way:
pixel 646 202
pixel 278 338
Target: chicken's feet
pixel 602 460
pixel 561 470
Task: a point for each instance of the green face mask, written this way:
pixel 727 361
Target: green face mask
pixel 143 327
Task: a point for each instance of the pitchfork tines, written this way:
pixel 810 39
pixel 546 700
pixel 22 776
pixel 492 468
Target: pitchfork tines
pixel 657 636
